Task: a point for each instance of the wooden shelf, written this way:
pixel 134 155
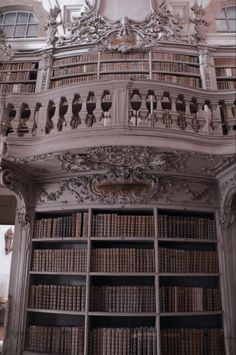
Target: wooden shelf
pixel 60 240
pixel 55 311
pixel 188 314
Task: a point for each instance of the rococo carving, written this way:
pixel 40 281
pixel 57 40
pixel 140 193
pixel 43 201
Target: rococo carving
pixel 122 159
pixel 227 191
pixel 125 34
pixel 119 189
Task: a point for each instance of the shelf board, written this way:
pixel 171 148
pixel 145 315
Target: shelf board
pixel 62 239
pixel 72 75
pixel 124 60
pixel 178 274
pixel 73 64
pixel 17 81
pixel 54 311
pixel 176 73
pixel 123 314
pixel 187 240
pixel 128 71
pixel 93 273
pixel 57 273
pixel 226 78
pixel 175 61
pixel 180 314
pixel 123 239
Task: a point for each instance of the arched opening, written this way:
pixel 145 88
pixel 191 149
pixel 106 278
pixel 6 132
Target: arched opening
pixel 7 221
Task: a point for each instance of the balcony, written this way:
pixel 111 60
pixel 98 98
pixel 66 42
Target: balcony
pixel 119 112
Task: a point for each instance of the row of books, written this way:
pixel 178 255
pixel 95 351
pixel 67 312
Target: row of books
pixel 128 56
pixel 109 225
pixel 55 340
pixel 85 57
pixel 226 72
pixel 175 67
pixel 82 68
pixel 177 260
pixel 59 260
pixel 186 341
pixel 122 260
pixel 58 297
pixel 15 76
pixel 186 227
pixel 71 80
pixel 18 66
pixel 75 225
pixel 226 84
pixel 124 76
pixel 123 66
pixel 225 61
pixel 123 298
pixel 122 341
pixel 165 56
pixel 24 88
pixel 189 299
pixel 182 80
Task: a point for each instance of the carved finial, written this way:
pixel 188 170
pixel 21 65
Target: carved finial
pixel 199 22
pixel 52 25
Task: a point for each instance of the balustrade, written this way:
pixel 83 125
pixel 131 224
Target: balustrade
pixel 130 105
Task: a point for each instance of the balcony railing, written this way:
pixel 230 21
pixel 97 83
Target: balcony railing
pixel 133 105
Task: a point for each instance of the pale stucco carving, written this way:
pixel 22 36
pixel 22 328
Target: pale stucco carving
pixel 124 34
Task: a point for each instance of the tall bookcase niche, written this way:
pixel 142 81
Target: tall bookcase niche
pixel 124 281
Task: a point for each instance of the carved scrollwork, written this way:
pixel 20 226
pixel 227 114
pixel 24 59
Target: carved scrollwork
pixel 7 179
pixel 119 160
pixel 120 188
pixel 125 34
pixel 227 193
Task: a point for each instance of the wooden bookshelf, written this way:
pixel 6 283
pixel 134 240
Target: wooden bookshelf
pixel 149 281
pixel 161 66
pixel 225 73
pixel 18 76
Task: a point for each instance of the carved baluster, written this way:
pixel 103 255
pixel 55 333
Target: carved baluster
pixel 135 103
pixel 8 115
pixel 68 112
pixel 208 114
pixel 106 104
pixel 159 115
pixel 151 104
pixel 193 108
pixel 14 112
pixel 52 114
pixel 166 105
pixel 63 108
pixel 181 108
pixel 75 120
pixel 36 119
pixel 90 118
pixel 232 113
pixel 220 119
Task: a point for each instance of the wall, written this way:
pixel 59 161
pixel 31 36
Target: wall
pixel 5 263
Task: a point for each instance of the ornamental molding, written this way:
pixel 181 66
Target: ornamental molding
pixel 122 160
pixel 227 192
pixel 92 29
pixel 112 190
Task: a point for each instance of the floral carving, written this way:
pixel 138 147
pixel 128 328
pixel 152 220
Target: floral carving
pixel 199 22
pixel 124 34
pixel 122 160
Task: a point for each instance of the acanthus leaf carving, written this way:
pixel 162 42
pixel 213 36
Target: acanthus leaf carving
pixel 117 188
pixel 125 34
